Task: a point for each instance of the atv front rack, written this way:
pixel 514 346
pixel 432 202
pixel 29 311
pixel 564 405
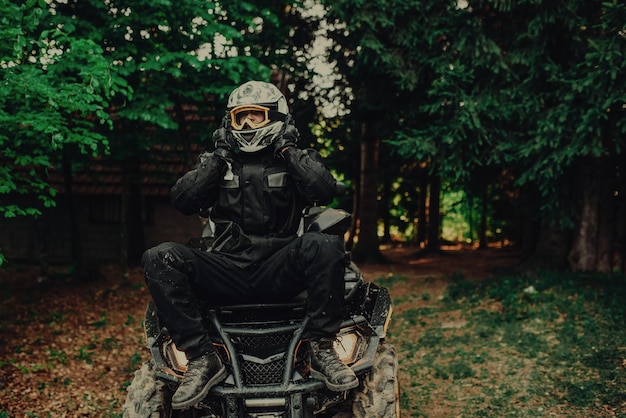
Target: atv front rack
pixel 266 339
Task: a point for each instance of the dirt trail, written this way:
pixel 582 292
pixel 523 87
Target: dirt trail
pixel 69 349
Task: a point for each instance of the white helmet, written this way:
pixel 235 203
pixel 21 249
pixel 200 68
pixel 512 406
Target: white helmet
pixel 270 107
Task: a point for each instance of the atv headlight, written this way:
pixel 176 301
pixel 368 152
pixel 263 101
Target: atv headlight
pixel 175 357
pixel 349 345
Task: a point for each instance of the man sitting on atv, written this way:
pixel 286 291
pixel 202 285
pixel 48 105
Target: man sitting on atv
pixel 256 184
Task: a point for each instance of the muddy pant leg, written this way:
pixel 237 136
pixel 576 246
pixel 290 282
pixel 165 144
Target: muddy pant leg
pixel 178 277
pixel 314 262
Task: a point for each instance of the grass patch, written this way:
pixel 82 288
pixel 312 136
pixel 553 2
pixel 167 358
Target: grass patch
pixel 389 280
pixel 527 345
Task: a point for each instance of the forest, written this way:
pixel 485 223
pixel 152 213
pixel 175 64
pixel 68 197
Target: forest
pixel 481 143
pixel 480 122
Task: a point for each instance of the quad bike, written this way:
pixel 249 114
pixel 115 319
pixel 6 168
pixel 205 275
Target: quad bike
pixel 268 362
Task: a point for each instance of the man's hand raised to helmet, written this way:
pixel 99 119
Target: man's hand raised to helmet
pixel 289 137
pixel 223 147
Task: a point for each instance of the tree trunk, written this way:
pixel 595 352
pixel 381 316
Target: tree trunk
pixel 366 248
pixel 422 215
pixel 484 205
pixel 75 245
pixel 582 256
pixel 42 228
pixel 131 228
pixel 551 249
pixel 529 221
pixel 593 245
pixel 470 216
pixel 434 216
pixel 607 217
pixel 183 130
pixel 356 204
pixel 621 210
pixel 384 211
pixel 124 229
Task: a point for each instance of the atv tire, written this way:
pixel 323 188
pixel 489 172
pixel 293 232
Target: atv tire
pixel 379 394
pixel 147 397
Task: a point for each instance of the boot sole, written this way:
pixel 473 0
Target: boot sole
pixel 332 386
pixel 217 378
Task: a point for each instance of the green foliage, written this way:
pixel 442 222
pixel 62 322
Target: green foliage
pixel 134 362
pixel 58 356
pixel 580 96
pixel 53 96
pixel 172 54
pixel 476 88
pixel 517 336
pixel 390 280
pixel 69 68
pixel 86 353
pixel 100 322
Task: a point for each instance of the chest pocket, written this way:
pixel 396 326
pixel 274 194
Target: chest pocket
pixel 231 183
pixel 278 180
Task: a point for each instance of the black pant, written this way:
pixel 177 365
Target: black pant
pixel 178 276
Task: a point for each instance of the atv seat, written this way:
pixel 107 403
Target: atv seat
pixel 296 306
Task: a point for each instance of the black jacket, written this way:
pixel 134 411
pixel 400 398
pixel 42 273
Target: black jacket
pixel 256 201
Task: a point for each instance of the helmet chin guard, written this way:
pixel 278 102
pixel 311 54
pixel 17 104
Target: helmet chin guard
pixel 269 105
pixel 253 140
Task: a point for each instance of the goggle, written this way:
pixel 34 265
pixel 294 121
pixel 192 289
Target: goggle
pixel 254 116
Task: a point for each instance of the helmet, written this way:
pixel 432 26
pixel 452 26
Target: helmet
pixel 270 107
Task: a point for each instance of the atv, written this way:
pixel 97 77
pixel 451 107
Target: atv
pixel 268 361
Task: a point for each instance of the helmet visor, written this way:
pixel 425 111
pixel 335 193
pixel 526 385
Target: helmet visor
pixel 254 116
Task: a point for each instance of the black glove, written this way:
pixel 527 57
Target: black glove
pixel 289 136
pixel 223 146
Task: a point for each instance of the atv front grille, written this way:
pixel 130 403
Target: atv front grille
pixel 264 371
pixel 259 352
pixel 271 373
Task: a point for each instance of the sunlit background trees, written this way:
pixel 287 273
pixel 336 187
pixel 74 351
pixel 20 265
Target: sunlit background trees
pixel 476 122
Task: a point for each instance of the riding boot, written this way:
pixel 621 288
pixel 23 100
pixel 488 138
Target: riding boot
pixel 327 367
pixel 203 372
